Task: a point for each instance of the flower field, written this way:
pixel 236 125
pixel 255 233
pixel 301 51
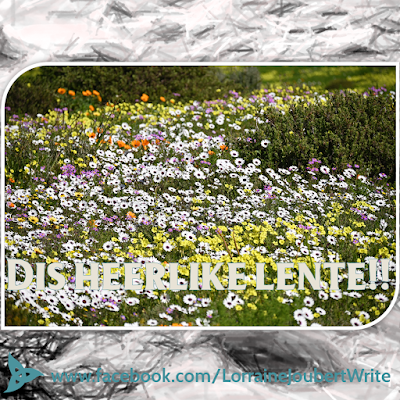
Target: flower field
pixel 189 183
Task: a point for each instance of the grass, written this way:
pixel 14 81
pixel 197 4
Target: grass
pixel 327 78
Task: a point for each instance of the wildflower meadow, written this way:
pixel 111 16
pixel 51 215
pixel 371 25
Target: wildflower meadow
pixel 282 174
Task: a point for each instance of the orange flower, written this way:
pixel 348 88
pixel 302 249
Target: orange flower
pixel 92 135
pixel 144 97
pixel 61 90
pixel 12 180
pixel 172 101
pixel 99 130
pixel 145 142
pixel 91 108
pixel 88 93
pixel 211 153
pixel 157 142
pixel 162 98
pixel 120 143
pixel 92 222
pixel 127 147
pixel 109 140
pixel 71 92
pixel 11 205
pixel 99 98
pixel 135 143
pixel 131 215
pixel 96 93
pixel 85 93
pixel 223 147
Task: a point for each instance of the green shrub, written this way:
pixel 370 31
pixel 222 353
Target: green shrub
pixel 347 129
pixel 116 84
pixel 247 79
pixel 31 95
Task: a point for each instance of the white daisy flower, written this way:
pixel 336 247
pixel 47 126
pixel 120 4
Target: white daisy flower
pixel 265 143
pixel 336 295
pixel 189 299
pixel 320 311
pixel 381 297
pixel 308 301
pixel 324 169
pixel 322 295
pixel 308 314
pixel 132 301
pixel 167 246
pixel 356 322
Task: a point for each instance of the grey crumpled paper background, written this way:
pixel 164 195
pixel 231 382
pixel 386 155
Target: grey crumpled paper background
pixel 33 31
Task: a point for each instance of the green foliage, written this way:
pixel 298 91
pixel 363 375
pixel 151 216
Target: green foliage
pixel 340 84
pixel 246 79
pixel 18 316
pixel 347 129
pixel 31 94
pixel 37 93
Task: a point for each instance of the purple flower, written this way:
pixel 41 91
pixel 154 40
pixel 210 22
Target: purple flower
pixel 68 170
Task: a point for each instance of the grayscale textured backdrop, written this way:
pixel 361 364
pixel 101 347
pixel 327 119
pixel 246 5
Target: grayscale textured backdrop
pixel 33 31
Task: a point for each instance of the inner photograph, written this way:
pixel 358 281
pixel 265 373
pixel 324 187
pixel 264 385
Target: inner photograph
pixel 200 196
